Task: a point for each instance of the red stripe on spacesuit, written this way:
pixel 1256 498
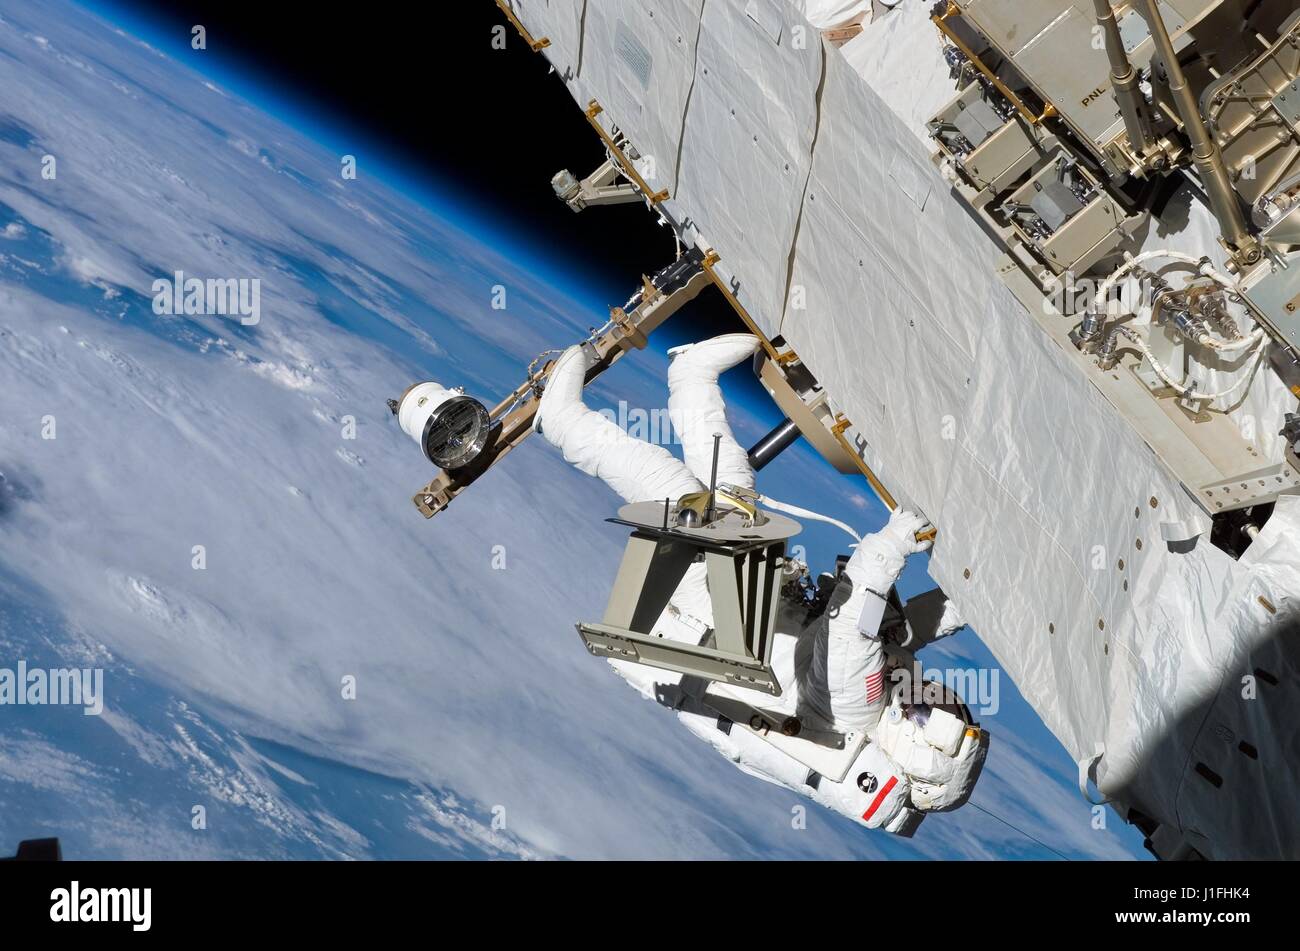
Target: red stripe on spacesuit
pixel 880 797
pixel 875 686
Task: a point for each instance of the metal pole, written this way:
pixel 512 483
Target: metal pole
pixel 1124 80
pixel 713 476
pixel 1205 151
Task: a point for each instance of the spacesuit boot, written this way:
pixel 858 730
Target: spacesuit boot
pixel 697 409
pixel 594 444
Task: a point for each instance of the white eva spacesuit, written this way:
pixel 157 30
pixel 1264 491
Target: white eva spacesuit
pixel 832 665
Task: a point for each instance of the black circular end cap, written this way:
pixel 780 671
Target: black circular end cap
pixel 456 432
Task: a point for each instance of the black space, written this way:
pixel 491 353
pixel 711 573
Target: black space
pixel 424 84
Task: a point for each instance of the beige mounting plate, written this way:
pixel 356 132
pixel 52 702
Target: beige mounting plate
pixel 744 565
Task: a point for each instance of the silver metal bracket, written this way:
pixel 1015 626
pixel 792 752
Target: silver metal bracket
pixel 599 188
pixel 744 565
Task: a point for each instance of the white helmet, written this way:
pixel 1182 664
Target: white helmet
pixel 936 746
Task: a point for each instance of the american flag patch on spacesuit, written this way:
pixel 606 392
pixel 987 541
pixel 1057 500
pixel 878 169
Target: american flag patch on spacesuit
pixel 875 686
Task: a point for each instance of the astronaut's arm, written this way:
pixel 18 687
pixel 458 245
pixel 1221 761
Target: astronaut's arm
pixel 845 681
pixel 879 558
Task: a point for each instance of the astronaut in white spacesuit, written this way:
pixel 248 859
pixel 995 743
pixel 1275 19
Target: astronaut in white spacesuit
pixel 833 670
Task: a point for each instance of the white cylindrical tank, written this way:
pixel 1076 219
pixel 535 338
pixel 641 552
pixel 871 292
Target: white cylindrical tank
pixel 450 428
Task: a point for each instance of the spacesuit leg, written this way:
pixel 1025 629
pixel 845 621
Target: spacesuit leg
pixel 844 683
pixel 697 410
pixel 636 470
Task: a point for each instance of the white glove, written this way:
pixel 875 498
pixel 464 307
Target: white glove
pixel 879 558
